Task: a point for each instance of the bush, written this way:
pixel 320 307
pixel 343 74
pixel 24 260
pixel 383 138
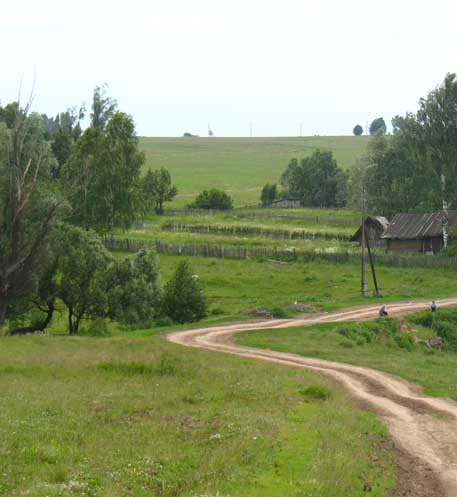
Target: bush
pixel 279 313
pixel 184 300
pixel 96 328
pixel 315 392
pixel 212 199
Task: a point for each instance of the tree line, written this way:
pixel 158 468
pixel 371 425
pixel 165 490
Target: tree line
pixel 412 170
pixel 61 188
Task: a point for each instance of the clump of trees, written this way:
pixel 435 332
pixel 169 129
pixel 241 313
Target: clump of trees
pixel 212 199
pixel 62 188
pixel 269 194
pixel 316 181
pixel 416 168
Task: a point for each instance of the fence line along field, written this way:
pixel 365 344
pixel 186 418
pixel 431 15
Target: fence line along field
pixel 241 166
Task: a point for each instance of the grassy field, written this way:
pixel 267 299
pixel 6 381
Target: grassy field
pixel 353 343
pixel 239 165
pixel 139 417
pixel 234 287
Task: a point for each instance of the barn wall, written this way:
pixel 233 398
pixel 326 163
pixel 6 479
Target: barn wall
pixel 405 245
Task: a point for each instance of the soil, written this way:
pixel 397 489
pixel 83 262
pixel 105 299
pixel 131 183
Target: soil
pixel 423 429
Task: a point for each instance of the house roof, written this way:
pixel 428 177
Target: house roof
pixel 381 221
pixel 417 226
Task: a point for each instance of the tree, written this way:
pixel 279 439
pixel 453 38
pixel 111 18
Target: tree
pixel 29 207
pixel 157 189
pixel 212 199
pixel 9 113
pixel 63 131
pixel 134 295
pixel 104 167
pixel 317 181
pixel 378 127
pixel 184 300
pixel 358 130
pixel 269 194
pixel 81 279
pixel 394 178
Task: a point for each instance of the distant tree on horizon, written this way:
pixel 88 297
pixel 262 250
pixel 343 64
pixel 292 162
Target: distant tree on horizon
pixel 378 126
pixel 358 130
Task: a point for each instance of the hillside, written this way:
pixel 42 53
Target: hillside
pixel 239 165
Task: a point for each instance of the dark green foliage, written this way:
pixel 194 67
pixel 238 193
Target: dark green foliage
pixel 269 194
pixel 63 131
pixel 317 181
pixel 81 277
pixel 184 300
pixel 394 179
pixel 358 130
pixel 157 188
pixel 279 313
pixel 381 330
pixel 9 113
pixel 443 323
pixel 29 206
pixel 405 172
pixel 316 392
pixel 102 174
pixel 134 291
pixel 212 199
pixel 378 127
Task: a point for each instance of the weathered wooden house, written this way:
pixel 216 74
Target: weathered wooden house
pixel 375 226
pixel 417 232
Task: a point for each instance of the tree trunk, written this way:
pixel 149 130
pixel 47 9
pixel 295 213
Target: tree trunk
pixel 3 308
pixel 41 326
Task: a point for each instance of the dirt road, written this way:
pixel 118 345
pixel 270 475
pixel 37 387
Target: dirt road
pixel 424 429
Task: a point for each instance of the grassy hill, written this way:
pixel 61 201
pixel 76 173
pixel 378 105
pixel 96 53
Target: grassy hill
pixel 239 165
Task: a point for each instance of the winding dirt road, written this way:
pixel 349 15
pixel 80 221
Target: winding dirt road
pixel 424 429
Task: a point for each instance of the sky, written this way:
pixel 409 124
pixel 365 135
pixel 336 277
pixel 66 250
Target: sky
pixel 274 68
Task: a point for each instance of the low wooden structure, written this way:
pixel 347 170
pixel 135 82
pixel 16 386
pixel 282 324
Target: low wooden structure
pixel 288 203
pixel 417 232
pixel 375 226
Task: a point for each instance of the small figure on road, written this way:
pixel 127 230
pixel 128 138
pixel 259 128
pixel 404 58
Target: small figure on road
pixel 433 307
pixel 382 311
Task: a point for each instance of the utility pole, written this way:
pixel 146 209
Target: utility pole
pixel 445 214
pixel 364 285
pixel 301 129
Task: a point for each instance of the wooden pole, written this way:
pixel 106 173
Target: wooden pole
pixel 364 286
pixel 373 272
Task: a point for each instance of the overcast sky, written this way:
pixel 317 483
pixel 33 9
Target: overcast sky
pixel 177 65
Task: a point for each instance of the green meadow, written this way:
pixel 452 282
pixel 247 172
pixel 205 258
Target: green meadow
pixel 140 417
pixel 241 166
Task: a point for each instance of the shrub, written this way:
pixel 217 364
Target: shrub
pixel 96 328
pixel 164 321
pixel 279 313
pixel 212 199
pixel 184 300
pixel 315 392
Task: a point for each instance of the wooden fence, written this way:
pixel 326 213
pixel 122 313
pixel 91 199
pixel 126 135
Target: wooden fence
pixel 255 231
pixel 265 215
pixel 234 252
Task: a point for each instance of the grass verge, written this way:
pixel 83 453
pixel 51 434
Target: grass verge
pixel 139 417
